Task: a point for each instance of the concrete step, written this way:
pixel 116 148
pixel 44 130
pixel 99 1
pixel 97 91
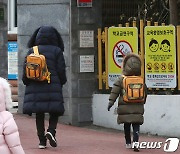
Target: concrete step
pixel 14 90
pixel 15 104
pixel 15 98
pixel 14 83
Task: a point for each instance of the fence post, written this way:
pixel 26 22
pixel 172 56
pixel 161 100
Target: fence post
pixel 178 55
pixel 148 23
pixel 106 56
pixel 142 46
pixel 99 58
pixel 127 24
pixel 120 25
pixel 163 24
pixel 134 23
pixel 155 23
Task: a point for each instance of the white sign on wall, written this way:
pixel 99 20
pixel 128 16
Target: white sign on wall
pixel 86 38
pixel 12 60
pixel 87 63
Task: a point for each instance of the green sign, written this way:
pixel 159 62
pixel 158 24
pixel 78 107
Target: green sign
pixel 1 14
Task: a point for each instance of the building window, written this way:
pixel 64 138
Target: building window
pixel 12 16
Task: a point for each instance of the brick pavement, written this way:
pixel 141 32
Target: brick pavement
pixel 77 140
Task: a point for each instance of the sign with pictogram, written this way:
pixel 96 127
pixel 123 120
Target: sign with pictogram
pixel 149 66
pixel 121 41
pixel 163 66
pixel 156 66
pixel 121 49
pixel 160 52
pixel 170 66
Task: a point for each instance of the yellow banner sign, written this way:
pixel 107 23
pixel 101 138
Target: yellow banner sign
pixel 160 56
pixel 121 41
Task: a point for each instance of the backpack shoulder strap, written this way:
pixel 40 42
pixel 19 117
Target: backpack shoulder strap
pixel 121 77
pixel 35 49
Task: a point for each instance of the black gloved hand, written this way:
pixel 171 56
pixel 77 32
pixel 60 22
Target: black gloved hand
pixel 109 106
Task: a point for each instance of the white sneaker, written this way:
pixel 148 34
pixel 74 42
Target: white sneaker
pixel 52 139
pixel 128 146
pixel 42 146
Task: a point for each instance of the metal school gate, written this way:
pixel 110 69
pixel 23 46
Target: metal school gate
pixel 103 53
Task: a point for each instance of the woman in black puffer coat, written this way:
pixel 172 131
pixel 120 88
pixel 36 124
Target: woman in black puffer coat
pixel 40 96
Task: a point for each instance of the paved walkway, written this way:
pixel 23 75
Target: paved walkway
pixel 76 140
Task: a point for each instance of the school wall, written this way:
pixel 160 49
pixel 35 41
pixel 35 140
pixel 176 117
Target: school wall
pixel 83 83
pixel 161 114
pixel 69 19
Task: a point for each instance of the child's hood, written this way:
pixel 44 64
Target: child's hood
pixel 132 65
pixel 5 95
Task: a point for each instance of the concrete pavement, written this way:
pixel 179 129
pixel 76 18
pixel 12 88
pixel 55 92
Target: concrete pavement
pixel 78 140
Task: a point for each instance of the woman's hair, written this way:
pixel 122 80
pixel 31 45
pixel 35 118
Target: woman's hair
pixel 32 40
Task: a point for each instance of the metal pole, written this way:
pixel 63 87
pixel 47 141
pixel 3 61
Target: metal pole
pixel 155 23
pixel 142 46
pixel 134 23
pixel 127 24
pixel 173 12
pixel 148 23
pixel 120 25
pixel 106 56
pixel 99 58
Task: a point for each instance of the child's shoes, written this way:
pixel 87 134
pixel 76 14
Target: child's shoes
pixel 128 146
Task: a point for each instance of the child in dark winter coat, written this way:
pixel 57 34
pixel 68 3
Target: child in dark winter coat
pixel 128 113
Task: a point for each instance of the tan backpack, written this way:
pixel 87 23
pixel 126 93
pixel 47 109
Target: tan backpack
pixel 133 89
pixel 36 67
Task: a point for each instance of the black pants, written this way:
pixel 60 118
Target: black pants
pixel 127 132
pixel 40 125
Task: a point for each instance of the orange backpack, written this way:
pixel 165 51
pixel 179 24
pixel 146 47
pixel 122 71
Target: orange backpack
pixel 133 89
pixel 36 67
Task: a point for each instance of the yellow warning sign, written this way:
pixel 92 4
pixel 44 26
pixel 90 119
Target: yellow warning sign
pixel 121 41
pixel 160 51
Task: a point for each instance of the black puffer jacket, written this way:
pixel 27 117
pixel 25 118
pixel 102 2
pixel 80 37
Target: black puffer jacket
pixel 42 96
